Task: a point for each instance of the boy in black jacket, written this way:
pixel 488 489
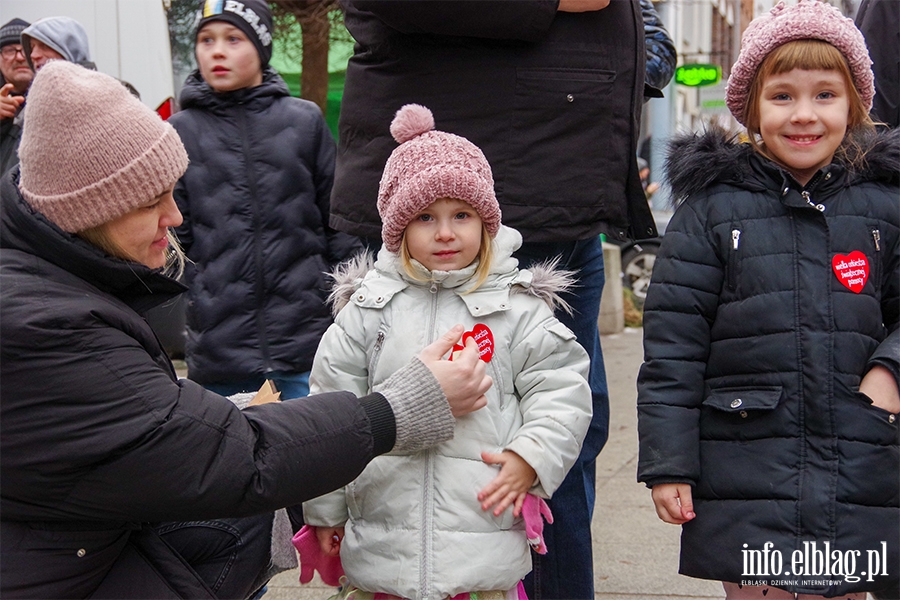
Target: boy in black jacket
pixel 255 201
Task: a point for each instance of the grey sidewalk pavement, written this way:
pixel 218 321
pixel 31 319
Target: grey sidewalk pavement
pixel 635 554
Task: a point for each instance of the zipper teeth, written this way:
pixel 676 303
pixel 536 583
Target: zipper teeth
pixel 428 498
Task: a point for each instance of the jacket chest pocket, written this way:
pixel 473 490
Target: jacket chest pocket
pixel 562 87
pixel 734 258
pixel 874 230
pixel 375 354
pixel 741 413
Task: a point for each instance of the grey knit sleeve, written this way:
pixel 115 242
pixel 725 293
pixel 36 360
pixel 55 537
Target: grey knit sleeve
pixel 421 411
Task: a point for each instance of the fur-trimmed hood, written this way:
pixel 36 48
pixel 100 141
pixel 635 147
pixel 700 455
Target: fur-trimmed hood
pixel 697 160
pixel 544 280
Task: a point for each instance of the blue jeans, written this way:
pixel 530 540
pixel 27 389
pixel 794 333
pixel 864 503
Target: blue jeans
pixel 291 385
pixel 231 556
pixel 567 570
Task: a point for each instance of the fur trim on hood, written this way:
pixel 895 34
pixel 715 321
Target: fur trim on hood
pixel 697 160
pixel 542 280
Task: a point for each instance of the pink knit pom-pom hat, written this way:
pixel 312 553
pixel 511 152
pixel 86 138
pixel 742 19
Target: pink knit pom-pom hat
pixel 427 166
pixel 806 20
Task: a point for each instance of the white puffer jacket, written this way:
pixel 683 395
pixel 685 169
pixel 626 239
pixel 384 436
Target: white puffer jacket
pixel 414 526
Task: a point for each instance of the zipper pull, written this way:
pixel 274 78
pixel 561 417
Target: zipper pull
pixel 735 238
pixel 379 340
pixel 876 237
pixel 818 207
pixel 434 287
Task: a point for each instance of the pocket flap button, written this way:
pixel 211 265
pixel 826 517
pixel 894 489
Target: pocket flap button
pixel 743 414
pixel 892 418
pixel 81 552
pixel 736 402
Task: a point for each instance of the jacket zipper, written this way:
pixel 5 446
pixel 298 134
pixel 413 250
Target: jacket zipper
pixel 876 238
pixel 259 263
pixel 376 354
pixel 428 478
pixel 733 258
pixel 819 207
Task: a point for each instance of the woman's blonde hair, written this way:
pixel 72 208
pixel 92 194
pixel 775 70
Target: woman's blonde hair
pixel 175 257
pixel 485 258
pixel 809 55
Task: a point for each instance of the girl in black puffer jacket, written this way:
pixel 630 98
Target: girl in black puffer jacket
pixel 768 400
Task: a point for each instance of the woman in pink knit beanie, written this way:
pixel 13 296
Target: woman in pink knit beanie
pixel 768 401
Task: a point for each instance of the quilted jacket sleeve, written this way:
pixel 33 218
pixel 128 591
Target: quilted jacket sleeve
pixel 680 308
pixel 551 371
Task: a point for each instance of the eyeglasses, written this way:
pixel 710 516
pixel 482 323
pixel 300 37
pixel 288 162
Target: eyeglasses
pixel 9 52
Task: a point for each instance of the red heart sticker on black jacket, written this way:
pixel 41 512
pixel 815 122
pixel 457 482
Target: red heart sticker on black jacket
pixel 483 336
pixel 852 270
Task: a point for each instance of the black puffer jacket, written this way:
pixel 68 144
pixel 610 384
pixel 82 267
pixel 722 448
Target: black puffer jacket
pixel 552 99
pixel 754 351
pixel 255 201
pixel 97 436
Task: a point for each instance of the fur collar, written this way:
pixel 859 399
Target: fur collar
pixel 543 281
pixel 697 160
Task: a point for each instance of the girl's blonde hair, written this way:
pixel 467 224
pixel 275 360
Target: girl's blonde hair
pixel 485 258
pixel 810 55
pixel 175 257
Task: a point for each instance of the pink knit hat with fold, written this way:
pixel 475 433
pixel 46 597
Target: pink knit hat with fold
pixel 427 166
pixel 806 20
pixel 90 151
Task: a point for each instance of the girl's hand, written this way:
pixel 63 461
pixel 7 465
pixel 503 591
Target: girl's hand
pixel 509 487
pixel 330 540
pixel 673 502
pixel 881 387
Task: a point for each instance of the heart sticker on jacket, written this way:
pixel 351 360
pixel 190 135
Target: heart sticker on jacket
pixel 852 270
pixel 483 336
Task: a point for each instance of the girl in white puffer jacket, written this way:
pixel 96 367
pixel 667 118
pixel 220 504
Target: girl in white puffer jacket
pixel 439 523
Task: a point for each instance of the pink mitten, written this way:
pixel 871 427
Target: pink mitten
pixel 532 510
pixel 312 558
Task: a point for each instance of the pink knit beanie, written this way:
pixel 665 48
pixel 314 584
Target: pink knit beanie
pixel 90 151
pixel 429 165
pixel 807 20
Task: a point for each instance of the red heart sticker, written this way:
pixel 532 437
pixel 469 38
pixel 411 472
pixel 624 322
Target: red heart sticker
pixel 483 336
pixel 852 270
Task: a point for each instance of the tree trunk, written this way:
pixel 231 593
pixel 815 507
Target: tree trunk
pixel 314 75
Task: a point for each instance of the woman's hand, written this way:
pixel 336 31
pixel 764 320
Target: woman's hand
pixel 510 486
pixel 463 380
pixel 673 502
pixel 881 387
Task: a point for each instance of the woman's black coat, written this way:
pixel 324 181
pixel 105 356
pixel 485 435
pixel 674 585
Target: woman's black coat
pixel 754 352
pixel 98 436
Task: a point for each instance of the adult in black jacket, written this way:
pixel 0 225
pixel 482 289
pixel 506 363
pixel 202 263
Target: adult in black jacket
pixel 101 446
pixel 553 98
pixel 879 20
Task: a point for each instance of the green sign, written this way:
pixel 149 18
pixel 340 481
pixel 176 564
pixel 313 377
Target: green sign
pixel 698 75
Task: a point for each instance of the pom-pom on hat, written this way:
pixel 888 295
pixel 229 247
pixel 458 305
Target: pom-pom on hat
pixel 427 166
pixel 90 151
pixel 806 20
